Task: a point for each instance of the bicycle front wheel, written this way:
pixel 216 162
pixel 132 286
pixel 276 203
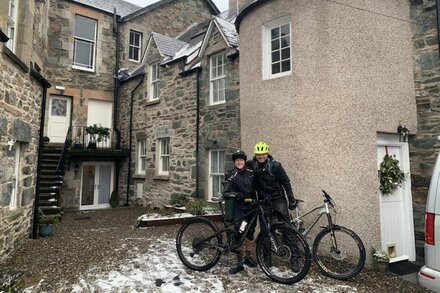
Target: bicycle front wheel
pixel 283 254
pixel 195 246
pixel 340 258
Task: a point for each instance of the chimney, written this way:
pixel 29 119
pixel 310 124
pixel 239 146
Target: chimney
pixel 234 4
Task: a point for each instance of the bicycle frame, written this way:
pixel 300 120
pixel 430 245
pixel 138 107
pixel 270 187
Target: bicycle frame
pixel 324 210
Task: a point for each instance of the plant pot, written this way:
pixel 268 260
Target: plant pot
pixel 91 146
pixel 45 229
pixel 380 266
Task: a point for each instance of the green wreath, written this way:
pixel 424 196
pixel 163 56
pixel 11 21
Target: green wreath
pixel 391 177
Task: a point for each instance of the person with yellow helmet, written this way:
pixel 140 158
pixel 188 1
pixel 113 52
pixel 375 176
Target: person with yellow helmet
pixel 239 186
pixel 272 182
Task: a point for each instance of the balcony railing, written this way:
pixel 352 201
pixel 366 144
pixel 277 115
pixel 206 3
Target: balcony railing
pixel 81 140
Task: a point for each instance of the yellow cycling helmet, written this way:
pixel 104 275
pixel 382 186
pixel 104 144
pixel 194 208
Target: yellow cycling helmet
pixel 261 148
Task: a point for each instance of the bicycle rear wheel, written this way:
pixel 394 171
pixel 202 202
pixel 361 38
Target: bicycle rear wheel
pixel 345 260
pixel 287 260
pixel 194 251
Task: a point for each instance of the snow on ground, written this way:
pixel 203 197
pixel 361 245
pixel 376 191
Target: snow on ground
pixel 160 270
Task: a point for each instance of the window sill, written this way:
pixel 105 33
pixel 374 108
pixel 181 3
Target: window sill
pixel 83 68
pixel 15 59
pixel 139 176
pixel 218 103
pixel 152 102
pixel 134 61
pixel 162 177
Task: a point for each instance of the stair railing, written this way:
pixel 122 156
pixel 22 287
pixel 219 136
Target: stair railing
pixel 60 165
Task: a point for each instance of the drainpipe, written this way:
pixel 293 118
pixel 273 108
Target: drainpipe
pixel 130 136
pixel 116 21
pixel 45 85
pixel 197 133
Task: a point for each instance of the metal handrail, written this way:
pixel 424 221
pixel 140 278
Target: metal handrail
pixel 67 143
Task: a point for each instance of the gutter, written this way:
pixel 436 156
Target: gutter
pixel 130 136
pixel 116 21
pixel 45 85
pixel 198 133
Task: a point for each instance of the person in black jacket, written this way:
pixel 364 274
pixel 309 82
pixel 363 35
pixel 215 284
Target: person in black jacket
pixel 239 186
pixel 272 183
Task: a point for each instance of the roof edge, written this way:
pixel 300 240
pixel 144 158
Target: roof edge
pixel 245 11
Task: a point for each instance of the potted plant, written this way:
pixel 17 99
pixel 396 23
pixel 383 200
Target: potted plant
pixel 97 134
pixel 381 260
pixel 45 225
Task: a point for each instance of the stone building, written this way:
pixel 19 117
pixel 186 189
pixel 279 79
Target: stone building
pixel 425 145
pixel 185 113
pixel 23 45
pixel 327 84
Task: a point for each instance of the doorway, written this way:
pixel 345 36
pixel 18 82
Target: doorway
pixel 96 185
pixel 100 113
pixel 396 217
pixel 59 118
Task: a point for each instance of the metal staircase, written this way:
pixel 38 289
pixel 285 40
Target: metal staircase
pixel 54 161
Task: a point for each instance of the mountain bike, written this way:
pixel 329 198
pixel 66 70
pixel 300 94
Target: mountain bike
pixel 200 244
pixel 338 251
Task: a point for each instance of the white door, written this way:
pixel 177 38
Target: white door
pixel 396 218
pixel 59 118
pixel 96 185
pixel 100 113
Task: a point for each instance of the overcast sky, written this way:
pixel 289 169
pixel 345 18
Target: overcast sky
pixel 222 5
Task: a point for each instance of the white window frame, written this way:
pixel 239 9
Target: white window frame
pixel 12 25
pixel 267 48
pixel 142 157
pixel 154 82
pixel 92 53
pixel 163 146
pixel 217 79
pixel 134 46
pixel 220 174
pixel 13 204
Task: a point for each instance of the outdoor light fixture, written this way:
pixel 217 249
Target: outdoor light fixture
pixel 403 133
pixel 60 89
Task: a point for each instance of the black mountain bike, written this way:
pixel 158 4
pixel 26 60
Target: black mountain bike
pixel 338 252
pixel 200 243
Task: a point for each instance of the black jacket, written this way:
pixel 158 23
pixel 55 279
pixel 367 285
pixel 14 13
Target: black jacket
pixel 239 184
pixel 271 179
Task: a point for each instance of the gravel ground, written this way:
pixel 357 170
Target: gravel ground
pixel 87 246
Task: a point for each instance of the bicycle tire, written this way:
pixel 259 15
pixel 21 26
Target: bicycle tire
pixel 344 264
pixel 279 266
pixel 196 255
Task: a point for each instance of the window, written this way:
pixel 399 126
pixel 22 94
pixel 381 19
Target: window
pixel 276 48
pixel 84 46
pixel 217 172
pixel 154 82
pixel 135 46
pixel 12 25
pixel 218 79
pixel 16 177
pixel 164 156
pixel 142 156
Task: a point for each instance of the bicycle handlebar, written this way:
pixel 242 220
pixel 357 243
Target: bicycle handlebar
pixel 328 198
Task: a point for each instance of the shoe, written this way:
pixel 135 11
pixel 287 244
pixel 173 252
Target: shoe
pixel 295 265
pixel 250 262
pixel 236 269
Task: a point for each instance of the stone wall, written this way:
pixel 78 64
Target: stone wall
pixel 20 105
pixel 170 19
pixel 425 146
pixel 219 123
pixel 173 116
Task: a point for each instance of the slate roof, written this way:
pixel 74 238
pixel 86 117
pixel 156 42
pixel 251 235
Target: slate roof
pixel 166 45
pixel 229 31
pixel 122 8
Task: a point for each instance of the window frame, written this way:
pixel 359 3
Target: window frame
pixel 162 155
pixel 217 78
pixel 154 94
pixel 220 174
pixel 93 51
pixel 130 45
pixel 267 48
pixel 11 24
pixel 141 157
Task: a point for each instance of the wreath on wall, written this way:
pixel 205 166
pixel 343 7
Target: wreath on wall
pixel 391 177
